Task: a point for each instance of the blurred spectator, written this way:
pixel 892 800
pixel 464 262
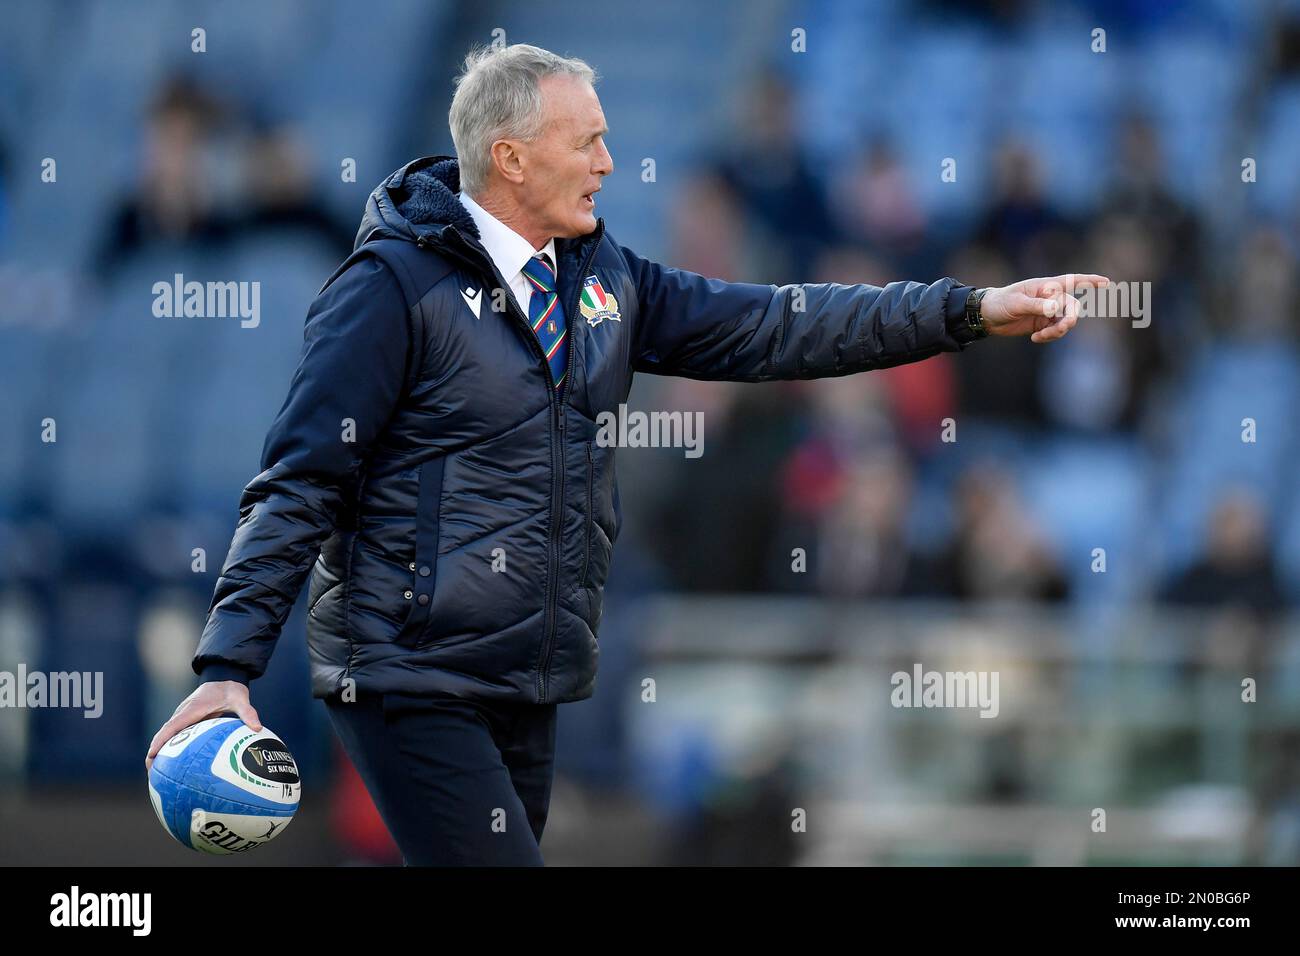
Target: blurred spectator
pixel 1146 234
pixel 998 380
pixel 1138 189
pixel 1136 356
pixel 768 170
pixel 997 553
pixel 1260 302
pixel 717 516
pixel 1091 387
pixel 862 548
pixel 175 199
pixel 1236 567
pixel 279 194
pixel 708 230
pixel 876 205
pixel 1021 222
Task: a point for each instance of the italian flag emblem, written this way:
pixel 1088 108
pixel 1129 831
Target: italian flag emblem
pixel 596 304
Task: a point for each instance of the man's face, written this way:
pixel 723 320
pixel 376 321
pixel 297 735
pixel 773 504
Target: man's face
pixel 564 165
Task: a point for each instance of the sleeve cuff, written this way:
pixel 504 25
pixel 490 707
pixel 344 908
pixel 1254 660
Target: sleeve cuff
pixel 220 671
pixel 955 315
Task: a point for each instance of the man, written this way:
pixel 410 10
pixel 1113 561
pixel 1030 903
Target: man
pixel 435 464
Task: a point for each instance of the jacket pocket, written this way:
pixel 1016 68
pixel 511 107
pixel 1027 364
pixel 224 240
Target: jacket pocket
pixel 324 581
pixel 591 504
pixel 315 603
pixel 422 568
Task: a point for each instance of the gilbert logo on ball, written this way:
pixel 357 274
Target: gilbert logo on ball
pixel 219 787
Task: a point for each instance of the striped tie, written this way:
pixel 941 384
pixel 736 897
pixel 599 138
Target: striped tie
pixel 547 317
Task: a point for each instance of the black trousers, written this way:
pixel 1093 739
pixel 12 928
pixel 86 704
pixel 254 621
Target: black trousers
pixel 457 782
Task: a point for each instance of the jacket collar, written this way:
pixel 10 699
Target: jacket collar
pixel 507 249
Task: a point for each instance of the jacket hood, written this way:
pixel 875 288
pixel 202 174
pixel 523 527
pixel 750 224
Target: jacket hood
pixel 419 199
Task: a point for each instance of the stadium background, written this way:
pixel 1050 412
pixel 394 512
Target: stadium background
pixel 1119 689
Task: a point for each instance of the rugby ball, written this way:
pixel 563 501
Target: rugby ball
pixel 219 787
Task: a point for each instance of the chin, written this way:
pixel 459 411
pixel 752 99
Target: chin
pixel 580 223
pixel 580 226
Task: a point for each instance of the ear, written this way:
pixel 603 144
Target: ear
pixel 508 161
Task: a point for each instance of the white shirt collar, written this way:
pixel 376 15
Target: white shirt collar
pixel 510 251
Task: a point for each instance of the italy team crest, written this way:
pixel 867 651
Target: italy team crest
pixel 597 305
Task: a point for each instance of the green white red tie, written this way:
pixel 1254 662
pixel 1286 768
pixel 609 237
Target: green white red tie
pixel 546 316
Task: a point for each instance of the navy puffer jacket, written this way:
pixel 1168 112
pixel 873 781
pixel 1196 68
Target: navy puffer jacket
pixel 456 516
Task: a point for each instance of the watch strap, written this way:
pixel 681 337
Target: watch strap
pixel 974 319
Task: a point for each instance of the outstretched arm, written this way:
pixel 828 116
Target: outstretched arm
pixel 703 328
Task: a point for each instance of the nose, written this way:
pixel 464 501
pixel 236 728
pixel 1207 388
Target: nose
pixel 604 161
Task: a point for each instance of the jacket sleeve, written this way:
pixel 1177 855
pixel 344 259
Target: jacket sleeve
pixel 709 329
pixel 353 364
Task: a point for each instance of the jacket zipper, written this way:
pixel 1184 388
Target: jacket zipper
pixel 586 545
pixel 543 673
pixel 557 417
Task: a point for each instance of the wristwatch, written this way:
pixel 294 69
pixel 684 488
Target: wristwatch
pixel 974 320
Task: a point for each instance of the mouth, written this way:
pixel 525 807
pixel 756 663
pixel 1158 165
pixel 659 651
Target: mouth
pixel 589 199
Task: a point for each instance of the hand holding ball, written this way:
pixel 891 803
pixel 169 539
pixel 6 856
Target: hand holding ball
pixel 219 787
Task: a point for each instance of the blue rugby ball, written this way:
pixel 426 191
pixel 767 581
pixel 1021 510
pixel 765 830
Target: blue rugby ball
pixel 219 787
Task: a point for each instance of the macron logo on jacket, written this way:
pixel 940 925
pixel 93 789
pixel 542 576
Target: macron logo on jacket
pixel 472 299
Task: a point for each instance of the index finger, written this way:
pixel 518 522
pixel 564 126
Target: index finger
pixel 1074 279
pixel 174 726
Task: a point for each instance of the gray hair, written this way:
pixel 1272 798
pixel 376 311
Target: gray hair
pixel 497 97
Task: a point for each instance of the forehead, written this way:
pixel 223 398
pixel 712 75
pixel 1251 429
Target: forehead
pixel 570 102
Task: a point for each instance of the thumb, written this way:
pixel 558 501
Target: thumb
pixel 1021 306
pixel 244 710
